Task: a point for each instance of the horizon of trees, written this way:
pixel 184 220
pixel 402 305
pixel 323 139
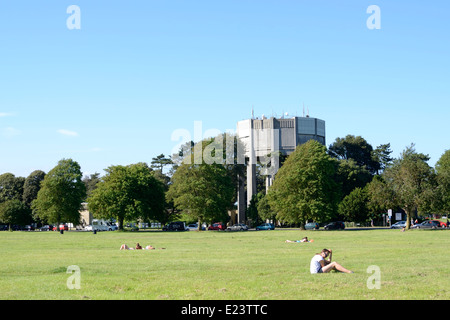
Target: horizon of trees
pixel 350 180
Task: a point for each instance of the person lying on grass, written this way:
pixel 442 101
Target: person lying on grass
pixel 138 247
pixel 305 239
pixel 319 263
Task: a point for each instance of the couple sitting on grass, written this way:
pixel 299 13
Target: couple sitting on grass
pixel 138 247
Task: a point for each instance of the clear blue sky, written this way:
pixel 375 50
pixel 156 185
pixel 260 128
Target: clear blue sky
pixel 114 91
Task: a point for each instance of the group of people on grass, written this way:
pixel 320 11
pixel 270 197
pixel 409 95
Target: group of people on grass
pixel 138 247
pixel 320 262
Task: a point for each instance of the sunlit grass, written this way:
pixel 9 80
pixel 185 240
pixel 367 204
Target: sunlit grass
pixel 224 265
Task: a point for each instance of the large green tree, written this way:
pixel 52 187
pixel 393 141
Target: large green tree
pixel 160 161
pixel 443 179
pixel 304 187
pixel 91 182
pixel 32 186
pixel 14 212
pixel 355 206
pixel 356 148
pixel 350 175
pixel 202 186
pixel 265 211
pixel 382 156
pixel 62 191
pixel 381 197
pixel 411 181
pixel 11 187
pixel 128 193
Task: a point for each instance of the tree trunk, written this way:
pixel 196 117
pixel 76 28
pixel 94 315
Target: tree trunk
pixel 408 217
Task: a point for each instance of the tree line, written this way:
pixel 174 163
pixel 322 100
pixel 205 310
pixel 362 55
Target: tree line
pixel 350 180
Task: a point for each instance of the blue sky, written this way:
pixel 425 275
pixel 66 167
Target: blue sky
pixel 114 91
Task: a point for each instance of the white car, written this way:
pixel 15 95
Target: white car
pixel 399 225
pixel 88 228
pixel 193 226
pixel 238 227
pixel 113 226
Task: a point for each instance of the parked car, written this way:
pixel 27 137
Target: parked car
pixel 88 228
pixel 175 226
pixel 266 226
pixel 61 227
pixel 238 227
pixel 113 227
pixel 101 225
pixel 441 224
pixel 47 227
pixel 312 226
pixel 428 224
pixel 337 225
pixel 217 226
pixel 399 225
pixel 29 228
pixel 192 226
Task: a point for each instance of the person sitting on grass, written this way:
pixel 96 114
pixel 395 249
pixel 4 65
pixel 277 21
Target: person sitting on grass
pixel 305 239
pixel 319 264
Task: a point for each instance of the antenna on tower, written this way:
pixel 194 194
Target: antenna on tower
pixel 303 109
pixel 307 108
pixel 253 113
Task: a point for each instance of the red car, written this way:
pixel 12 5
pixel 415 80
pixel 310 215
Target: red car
pixel 61 227
pixel 441 224
pixel 217 226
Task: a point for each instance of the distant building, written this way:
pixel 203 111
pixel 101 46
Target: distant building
pixel 263 139
pixel 85 215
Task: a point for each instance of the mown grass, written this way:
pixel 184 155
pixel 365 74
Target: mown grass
pixel 224 265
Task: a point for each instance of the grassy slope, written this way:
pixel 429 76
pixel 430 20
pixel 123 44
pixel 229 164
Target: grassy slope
pixel 222 265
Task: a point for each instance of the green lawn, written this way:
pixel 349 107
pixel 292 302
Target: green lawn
pixel 224 265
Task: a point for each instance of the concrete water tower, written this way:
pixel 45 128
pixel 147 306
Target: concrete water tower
pixel 263 137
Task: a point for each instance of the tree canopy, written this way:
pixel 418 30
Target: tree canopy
pixel 410 180
pixel 304 187
pixel 202 190
pixel 356 148
pixel 14 212
pixel 62 191
pixel 11 187
pixel 128 193
pixel 443 179
pixel 355 206
pixel 32 186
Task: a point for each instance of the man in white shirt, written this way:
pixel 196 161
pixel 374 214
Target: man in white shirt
pixel 320 265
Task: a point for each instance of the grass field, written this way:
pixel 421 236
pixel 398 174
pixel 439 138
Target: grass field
pixel 224 265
